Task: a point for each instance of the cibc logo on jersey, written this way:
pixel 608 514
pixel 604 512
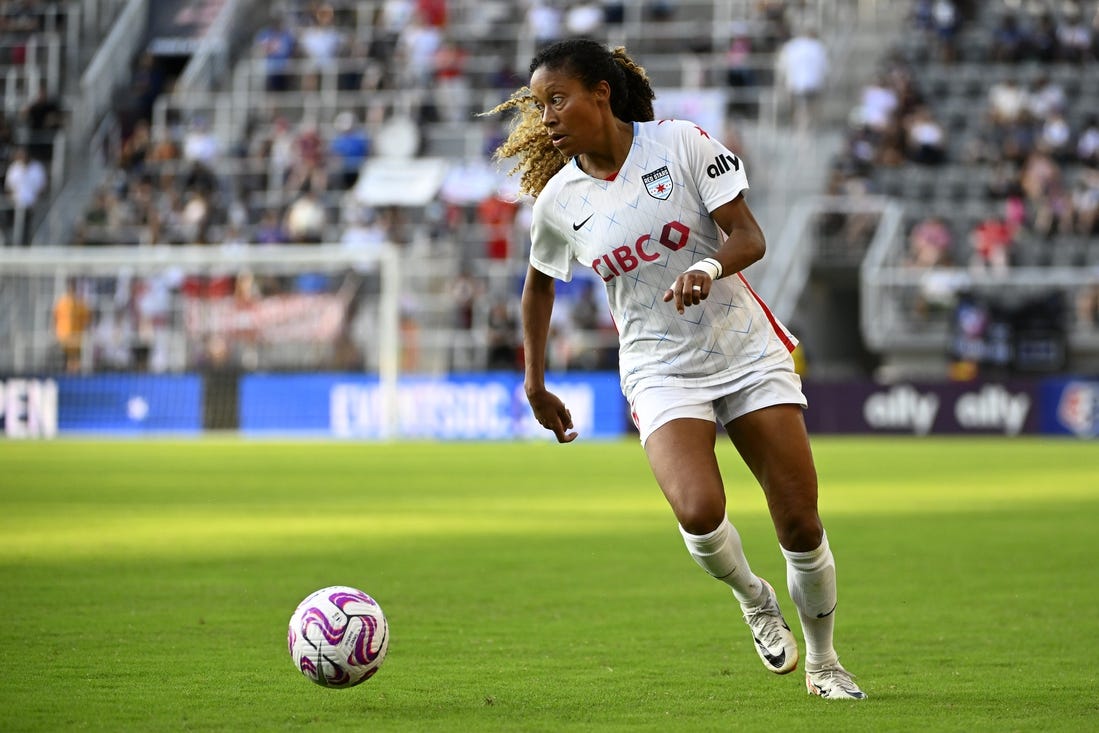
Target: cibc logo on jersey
pixel 621 260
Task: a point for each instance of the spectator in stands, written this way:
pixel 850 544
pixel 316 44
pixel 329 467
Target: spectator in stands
pixel 1087 144
pixel 739 70
pixel 1055 137
pixel 877 105
pixel 944 16
pixel 584 18
pixel 802 69
pixel 774 22
pixel 200 146
pixel 591 330
pixel 270 229
pixel 929 244
pixel 43 118
pixel 545 22
pixel 350 148
pixel 496 215
pixel 1087 302
pixel 277 44
pixel 71 318
pixel 306 220
pixel 1009 39
pixel 1042 41
pixel 452 84
pixel 309 164
pixel 1007 100
pixel 24 182
pixel 321 42
pixel 364 231
pixel 112 341
pixel 147 84
pixel 1074 35
pixel 1085 200
pixel 925 138
pixel 1045 193
pixel 416 48
pixel 991 241
pixel 503 336
pixel 1045 97
pixel 135 148
pixel 195 217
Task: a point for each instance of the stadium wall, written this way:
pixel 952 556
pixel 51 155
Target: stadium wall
pixel 491 406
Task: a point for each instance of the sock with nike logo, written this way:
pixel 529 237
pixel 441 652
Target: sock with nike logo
pixel 721 554
pixel 811 579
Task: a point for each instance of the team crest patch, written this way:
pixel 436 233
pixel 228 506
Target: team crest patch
pixel 658 183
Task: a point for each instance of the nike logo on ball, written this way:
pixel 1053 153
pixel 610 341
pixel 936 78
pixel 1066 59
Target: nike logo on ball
pixel 576 227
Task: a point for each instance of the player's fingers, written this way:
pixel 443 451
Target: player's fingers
pixel 676 293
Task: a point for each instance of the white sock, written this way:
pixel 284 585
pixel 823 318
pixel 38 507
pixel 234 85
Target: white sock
pixel 721 555
pixel 811 578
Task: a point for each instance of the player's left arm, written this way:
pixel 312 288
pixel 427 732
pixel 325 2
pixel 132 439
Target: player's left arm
pixel 744 244
pixel 720 178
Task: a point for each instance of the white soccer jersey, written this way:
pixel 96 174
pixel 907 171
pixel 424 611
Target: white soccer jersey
pixel 641 230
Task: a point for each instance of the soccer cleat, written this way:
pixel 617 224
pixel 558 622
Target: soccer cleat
pixel 775 643
pixel 832 683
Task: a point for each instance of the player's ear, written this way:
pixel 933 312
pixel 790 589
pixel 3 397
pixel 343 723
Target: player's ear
pixel 602 91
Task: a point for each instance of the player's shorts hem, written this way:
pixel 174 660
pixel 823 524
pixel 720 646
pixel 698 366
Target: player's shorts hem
pixel 655 406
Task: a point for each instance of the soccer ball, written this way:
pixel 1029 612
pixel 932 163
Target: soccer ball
pixel 338 636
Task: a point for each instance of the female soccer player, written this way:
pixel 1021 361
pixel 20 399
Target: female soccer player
pixel 657 210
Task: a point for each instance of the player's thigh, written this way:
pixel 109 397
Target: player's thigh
pixel 775 446
pixel 681 455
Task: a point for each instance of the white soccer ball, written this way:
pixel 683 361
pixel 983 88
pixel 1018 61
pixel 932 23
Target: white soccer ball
pixel 338 636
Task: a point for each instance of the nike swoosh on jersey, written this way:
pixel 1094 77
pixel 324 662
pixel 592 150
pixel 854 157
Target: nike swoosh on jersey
pixel 576 227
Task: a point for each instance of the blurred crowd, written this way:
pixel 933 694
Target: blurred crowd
pixel 987 124
pixel 32 114
pixel 290 175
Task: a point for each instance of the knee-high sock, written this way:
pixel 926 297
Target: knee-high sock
pixel 811 579
pixel 721 554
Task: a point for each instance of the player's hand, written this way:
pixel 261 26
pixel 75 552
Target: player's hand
pixel 552 414
pixel 690 288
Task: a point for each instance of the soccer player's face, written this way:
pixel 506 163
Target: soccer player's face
pixel 570 112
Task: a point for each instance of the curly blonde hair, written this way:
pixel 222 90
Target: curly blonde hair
pixel 590 62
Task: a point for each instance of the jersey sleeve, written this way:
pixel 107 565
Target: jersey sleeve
pixel 550 252
pixel 718 172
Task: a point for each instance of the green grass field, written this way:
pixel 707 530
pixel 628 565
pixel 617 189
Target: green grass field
pixel 531 587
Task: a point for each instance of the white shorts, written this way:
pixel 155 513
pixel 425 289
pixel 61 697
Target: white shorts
pixel 722 403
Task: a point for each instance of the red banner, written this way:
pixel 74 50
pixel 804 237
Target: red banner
pixel 308 318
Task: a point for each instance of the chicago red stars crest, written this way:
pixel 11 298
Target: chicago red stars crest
pixel 658 183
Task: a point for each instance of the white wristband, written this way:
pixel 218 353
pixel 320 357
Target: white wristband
pixel 708 265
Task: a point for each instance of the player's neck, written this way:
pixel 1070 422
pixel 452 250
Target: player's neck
pixel 607 161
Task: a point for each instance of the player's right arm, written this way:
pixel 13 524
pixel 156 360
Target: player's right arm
pixel 537 304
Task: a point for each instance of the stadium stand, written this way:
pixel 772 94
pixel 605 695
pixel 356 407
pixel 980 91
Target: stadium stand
pixel 271 140
pixel 269 151
pixel 987 131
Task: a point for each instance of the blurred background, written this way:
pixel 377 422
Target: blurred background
pixel 283 217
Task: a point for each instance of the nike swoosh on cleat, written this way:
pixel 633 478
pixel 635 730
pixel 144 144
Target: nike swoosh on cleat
pixel 826 615
pixel 576 227
pixel 775 660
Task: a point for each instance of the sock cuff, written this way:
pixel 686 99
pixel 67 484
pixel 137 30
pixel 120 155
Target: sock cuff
pixel 708 540
pixel 812 559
